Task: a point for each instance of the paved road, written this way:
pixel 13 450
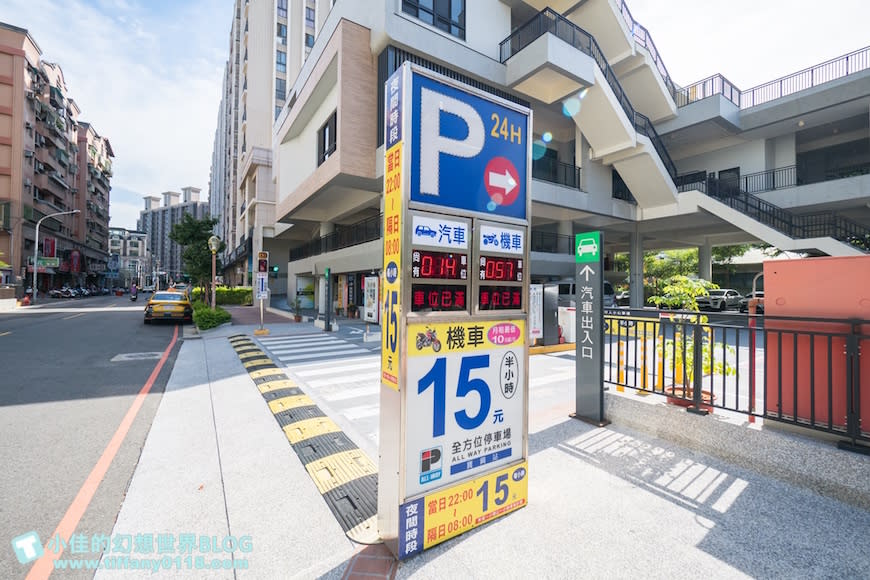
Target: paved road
pixel 69 372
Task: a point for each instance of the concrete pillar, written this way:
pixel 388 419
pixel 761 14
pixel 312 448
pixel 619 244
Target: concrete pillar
pixel 326 228
pixel 705 261
pixel 565 228
pixel 635 281
pixel 321 295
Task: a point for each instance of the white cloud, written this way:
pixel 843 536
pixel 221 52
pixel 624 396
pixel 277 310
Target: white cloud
pixel 147 76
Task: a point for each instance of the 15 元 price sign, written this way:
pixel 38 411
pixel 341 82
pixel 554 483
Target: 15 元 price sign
pixel 466 398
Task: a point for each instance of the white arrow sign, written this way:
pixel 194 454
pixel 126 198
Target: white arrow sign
pixel 503 181
pixel 587 271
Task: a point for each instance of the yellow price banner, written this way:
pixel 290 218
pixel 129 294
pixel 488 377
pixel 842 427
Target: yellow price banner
pixel 427 521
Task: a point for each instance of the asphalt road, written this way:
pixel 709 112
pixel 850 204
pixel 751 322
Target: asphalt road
pixel 69 372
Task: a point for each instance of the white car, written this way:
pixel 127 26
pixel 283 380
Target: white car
pixel 724 299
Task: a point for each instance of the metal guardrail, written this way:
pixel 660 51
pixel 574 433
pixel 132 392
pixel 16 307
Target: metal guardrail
pixel 739 193
pixel 549 21
pixel 361 232
pixel 802 371
pixel 825 72
pixel 551 243
pixel 556 172
pixel 642 37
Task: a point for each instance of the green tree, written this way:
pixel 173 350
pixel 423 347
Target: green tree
pixel 192 235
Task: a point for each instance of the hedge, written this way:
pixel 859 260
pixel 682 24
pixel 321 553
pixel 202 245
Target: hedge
pixel 240 295
pixel 205 318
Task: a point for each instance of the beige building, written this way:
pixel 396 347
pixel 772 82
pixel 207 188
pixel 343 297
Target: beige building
pixel 269 41
pixel 50 162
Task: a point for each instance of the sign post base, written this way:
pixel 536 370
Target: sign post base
pixel 596 423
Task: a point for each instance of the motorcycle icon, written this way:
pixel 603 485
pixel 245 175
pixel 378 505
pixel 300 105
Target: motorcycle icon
pixel 428 338
pixel 489 240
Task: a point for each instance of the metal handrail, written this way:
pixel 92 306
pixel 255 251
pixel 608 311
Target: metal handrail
pixel 363 231
pixel 642 36
pixel 825 72
pixel 549 21
pixel 551 243
pixel 556 172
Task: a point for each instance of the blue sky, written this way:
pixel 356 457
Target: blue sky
pixel 147 74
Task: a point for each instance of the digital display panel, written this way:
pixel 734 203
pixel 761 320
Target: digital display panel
pixel 439 265
pixel 501 269
pixel 438 297
pixel 500 297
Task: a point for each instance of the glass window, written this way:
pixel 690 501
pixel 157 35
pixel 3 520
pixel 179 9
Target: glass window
pixel 447 15
pixel 309 16
pixel 280 88
pixel 282 8
pixel 281 61
pixel 277 110
pixel 282 33
pixel 327 139
pixel 309 40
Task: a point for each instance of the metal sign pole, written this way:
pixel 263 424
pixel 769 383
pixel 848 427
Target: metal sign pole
pixel 589 326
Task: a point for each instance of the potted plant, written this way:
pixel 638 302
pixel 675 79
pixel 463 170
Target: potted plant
pixel 690 349
pixel 297 309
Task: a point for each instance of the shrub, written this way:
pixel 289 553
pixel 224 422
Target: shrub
pixel 239 295
pixel 205 318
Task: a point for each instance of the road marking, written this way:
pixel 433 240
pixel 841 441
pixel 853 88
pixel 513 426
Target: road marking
pixel 74 316
pixel 317 355
pixel 5 333
pixel 301 349
pixel 43 567
pixel 136 356
pixel 336 370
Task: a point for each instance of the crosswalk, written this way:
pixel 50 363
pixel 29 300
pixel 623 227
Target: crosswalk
pixel 303 348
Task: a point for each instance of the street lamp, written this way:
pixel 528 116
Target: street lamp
pixel 36 247
pixel 214 244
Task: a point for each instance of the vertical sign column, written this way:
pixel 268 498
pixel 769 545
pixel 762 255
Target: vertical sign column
pixel 589 290
pixel 393 210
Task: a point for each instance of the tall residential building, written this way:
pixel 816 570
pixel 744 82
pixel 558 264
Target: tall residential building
pixel 50 162
pixel 131 247
pixel 269 41
pixel 618 145
pixel 156 222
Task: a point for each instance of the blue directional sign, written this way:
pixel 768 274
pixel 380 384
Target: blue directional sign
pixel 468 152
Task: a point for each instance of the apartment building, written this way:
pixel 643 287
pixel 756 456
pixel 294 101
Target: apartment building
pixel 269 42
pixel 50 163
pixel 619 146
pixel 131 248
pixel 156 222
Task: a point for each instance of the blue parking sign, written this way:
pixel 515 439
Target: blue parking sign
pixel 468 152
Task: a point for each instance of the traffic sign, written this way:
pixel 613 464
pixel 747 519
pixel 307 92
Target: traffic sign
pixel 262 286
pixel 468 152
pixel 262 262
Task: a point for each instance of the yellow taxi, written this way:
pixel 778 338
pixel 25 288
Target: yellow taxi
pixel 168 305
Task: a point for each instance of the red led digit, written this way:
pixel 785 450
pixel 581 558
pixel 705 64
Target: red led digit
pixel 426 265
pixel 449 266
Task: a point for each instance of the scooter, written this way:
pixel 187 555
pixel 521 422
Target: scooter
pixel 133 297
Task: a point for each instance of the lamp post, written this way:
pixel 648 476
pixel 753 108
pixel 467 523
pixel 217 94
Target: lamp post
pixel 214 244
pixel 36 246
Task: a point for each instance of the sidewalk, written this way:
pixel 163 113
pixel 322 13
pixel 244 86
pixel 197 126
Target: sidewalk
pixel 603 502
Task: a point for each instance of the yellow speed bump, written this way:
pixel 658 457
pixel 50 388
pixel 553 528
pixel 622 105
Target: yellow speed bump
pixel 277 373
pixel 252 354
pixel 340 468
pixel 256 362
pixel 302 430
pixel 285 403
pixel 275 385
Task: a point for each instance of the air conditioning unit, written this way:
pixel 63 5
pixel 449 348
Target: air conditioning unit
pixel 27 182
pixel 28 153
pixel 28 125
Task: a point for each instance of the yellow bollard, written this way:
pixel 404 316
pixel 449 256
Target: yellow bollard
pixel 642 363
pixel 622 364
pixel 660 367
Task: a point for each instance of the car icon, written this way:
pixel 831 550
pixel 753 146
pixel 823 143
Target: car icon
pixel 587 246
pixel 424 231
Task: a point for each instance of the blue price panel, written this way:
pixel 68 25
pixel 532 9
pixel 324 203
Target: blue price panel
pixel 469 153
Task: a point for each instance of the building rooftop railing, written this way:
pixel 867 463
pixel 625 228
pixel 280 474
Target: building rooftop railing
pixel 549 21
pixel 819 74
pixel 643 38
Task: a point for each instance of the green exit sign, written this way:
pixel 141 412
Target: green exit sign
pixel 587 247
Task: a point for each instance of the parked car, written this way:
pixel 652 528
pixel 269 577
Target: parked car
pixel 168 306
pixel 744 302
pixel 723 299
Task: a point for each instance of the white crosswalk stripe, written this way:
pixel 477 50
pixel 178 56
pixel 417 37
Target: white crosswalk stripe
pixel 300 349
